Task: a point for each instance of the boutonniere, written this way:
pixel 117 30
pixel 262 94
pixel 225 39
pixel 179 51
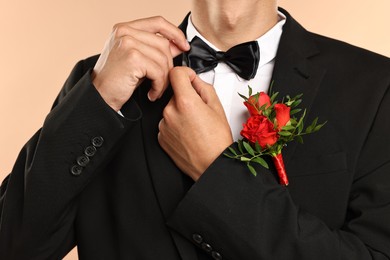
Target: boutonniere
pixel 271 125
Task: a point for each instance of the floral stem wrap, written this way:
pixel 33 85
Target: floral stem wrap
pixel 279 165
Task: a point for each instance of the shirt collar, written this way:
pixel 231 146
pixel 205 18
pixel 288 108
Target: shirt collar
pixel 268 42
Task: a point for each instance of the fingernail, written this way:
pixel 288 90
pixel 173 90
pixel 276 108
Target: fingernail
pixel 187 45
pixel 150 98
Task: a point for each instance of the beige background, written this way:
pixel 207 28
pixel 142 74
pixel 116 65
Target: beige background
pixel 41 41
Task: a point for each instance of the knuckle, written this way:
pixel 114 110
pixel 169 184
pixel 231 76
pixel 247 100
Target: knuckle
pixel 178 71
pixel 127 42
pixel 162 75
pixel 160 139
pixel 115 26
pixel 185 104
pixel 159 19
pixel 167 114
pixel 175 71
pixel 133 54
pixel 120 30
pixel 160 124
pixel 159 56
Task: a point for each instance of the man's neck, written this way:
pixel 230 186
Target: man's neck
pixel 226 23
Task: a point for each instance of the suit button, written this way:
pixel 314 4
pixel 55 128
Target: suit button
pixel 90 151
pixel 197 238
pixel 216 255
pixel 76 170
pixel 83 160
pixel 97 141
pixel 206 247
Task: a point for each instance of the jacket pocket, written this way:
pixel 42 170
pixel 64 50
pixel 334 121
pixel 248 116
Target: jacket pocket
pixel 317 164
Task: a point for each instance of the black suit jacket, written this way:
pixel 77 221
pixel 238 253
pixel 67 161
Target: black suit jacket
pixel 130 201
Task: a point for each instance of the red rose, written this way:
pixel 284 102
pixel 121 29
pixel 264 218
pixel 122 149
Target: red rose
pixel 259 129
pixel 255 102
pixel 282 115
pixel 251 107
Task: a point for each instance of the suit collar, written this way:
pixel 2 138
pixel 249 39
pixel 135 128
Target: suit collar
pixel 299 39
pixel 184 23
pixel 295 70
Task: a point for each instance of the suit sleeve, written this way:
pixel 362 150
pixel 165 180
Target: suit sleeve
pixel 233 215
pixel 39 198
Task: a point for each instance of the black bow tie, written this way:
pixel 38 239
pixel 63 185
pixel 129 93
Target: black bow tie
pixel 243 58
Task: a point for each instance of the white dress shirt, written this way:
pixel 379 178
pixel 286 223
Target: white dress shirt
pixel 227 84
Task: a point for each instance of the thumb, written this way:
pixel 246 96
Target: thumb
pixel 181 78
pixel 208 94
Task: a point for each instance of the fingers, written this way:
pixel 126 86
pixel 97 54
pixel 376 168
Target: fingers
pixel 153 41
pixel 161 26
pixel 152 63
pixel 159 41
pixel 157 27
pixel 181 79
pixel 194 130
pixel 208 94
pixel 186 84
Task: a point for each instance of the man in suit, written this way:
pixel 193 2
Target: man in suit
pixel 129 163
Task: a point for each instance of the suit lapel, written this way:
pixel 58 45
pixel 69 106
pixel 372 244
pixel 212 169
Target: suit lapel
pixel 294 72
pixel 170 184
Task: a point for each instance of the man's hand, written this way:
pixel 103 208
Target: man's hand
pixel 194 130
pixel 135 50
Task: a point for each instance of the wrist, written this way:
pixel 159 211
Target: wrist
pixel 107 93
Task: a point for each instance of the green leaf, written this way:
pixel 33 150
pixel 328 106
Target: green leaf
pixel 250 90
pixel 243 97
pixel 240 146
pixel 293 121
pixel 299 139
pixel 309 129
pixel 300 122
pixel 232 151
pixel 296 103
pixel 258 147
pixel 294 111
pixel 273 96
pixel 285 133
pixel 229 155
pixel 300 128
pixel 288 127
pixel 298 96
pixel 249 148
pixel 263 107
pixel 271 86
pixel 314 123
pixel 261 161
pixel 318 127
pixel 252 170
